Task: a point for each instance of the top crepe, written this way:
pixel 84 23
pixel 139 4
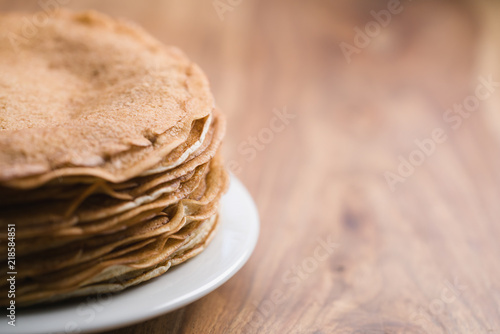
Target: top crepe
pixel 89 95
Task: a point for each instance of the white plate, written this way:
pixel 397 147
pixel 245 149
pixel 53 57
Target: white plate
pixel 181 285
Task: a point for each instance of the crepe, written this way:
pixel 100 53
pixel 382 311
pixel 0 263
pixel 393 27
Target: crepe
pixel 120 277
pixel 80 98
pixel 110 165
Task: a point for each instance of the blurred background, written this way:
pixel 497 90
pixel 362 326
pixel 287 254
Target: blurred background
pixel 370 129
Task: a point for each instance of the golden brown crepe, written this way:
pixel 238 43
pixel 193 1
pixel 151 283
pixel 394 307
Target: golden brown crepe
pixel 80 98
pixel 109 163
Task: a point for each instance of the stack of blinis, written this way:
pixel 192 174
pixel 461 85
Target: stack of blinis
pixel 109 163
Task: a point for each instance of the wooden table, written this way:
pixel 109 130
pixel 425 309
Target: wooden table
pixel 348 243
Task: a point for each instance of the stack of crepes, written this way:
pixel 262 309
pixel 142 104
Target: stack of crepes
pixel 109 163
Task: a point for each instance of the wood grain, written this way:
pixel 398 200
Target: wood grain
pixel 422 258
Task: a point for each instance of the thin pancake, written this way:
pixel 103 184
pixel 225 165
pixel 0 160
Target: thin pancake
pixel 70 107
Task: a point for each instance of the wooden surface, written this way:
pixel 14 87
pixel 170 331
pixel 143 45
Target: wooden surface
pixel 421 258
